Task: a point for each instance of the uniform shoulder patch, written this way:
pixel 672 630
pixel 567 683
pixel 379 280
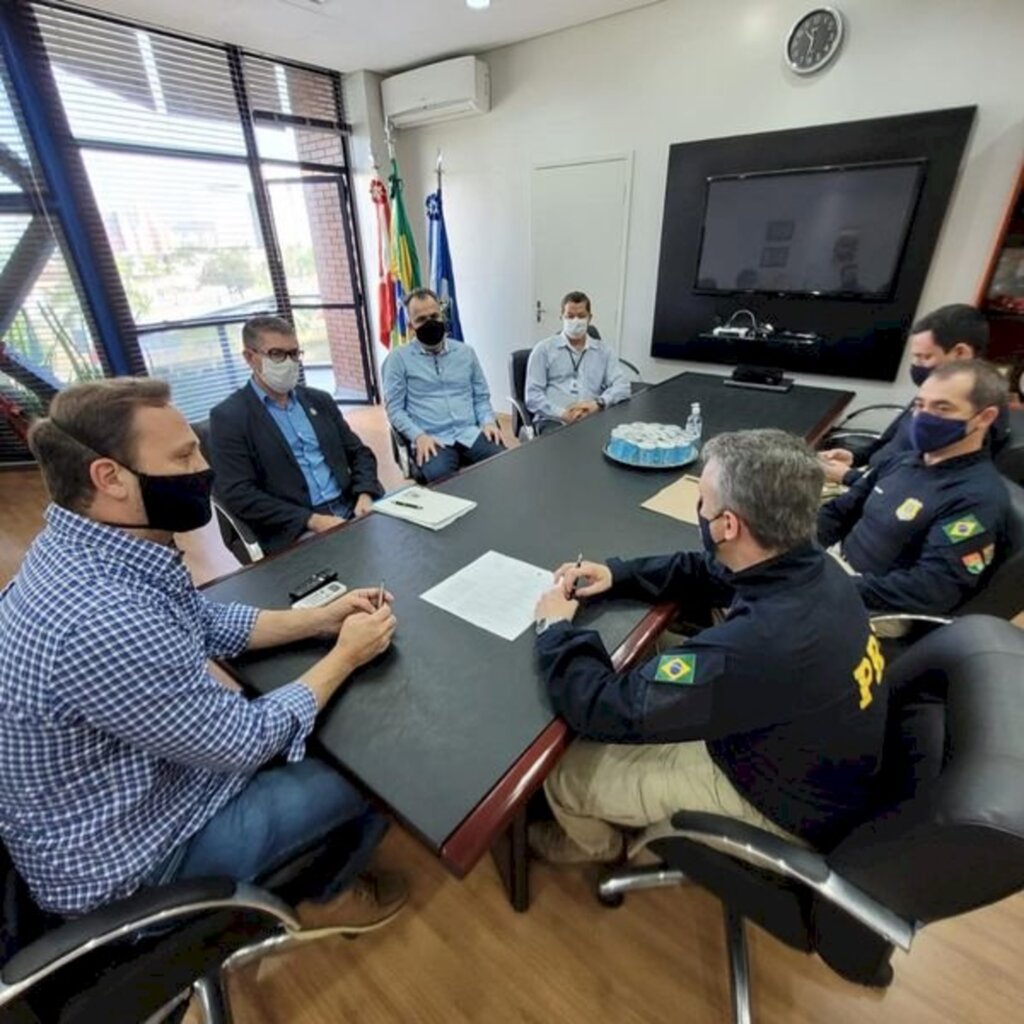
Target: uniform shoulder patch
pixel 964 528
pixel 680 669
pixel 974 562
pixel 909 509
pixel 988 552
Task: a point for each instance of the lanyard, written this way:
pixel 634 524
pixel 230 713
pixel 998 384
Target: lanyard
pixel 576 362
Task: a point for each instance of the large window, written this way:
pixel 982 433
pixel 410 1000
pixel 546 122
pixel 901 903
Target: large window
pixel 46 340
pixel 222 185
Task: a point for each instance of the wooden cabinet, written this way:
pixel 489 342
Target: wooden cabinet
pixel 1001 296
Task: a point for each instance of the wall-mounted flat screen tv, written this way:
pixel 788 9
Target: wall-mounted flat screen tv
pixel 834 232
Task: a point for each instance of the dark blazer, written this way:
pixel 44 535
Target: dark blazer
pixel 258 478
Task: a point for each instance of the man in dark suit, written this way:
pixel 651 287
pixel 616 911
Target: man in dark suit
pixel 286 462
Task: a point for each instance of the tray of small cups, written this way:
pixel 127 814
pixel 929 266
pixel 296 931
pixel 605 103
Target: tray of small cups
pixel 651 446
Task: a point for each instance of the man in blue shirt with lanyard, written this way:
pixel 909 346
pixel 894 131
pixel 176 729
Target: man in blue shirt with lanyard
pixel 123 762
pixel 572 375
pixel 436 395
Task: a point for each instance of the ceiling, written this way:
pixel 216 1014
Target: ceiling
pixel 375 35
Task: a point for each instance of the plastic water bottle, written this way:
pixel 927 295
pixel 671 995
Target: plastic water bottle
pixel 694 422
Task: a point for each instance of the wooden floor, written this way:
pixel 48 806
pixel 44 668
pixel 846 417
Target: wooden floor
pixel 459 953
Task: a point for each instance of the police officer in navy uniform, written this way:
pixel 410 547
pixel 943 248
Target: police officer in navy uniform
pixel 925 530
pixel 947 334
pixel 775 715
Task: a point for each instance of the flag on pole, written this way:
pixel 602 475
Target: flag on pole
pixel 442 274
pixel 385 282
pixel 405 264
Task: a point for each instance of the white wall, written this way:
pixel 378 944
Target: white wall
pixel 693 69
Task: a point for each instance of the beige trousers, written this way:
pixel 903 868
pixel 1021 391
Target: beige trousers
pixel 597 786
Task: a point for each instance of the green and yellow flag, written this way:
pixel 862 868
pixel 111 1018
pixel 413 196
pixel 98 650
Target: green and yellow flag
pixel 404 263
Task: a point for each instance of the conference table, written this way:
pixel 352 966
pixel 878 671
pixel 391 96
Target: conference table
pixel 452 730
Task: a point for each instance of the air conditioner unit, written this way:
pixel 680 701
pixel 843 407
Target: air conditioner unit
pixel 438 92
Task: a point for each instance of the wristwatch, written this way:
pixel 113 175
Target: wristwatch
pixel 544 624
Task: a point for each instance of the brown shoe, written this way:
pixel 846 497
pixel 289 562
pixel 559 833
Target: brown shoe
pixel 549 842
pixel 371 902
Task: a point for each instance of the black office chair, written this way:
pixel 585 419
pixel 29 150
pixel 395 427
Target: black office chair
pixel 141 958
pixel 522 419
pixel 238 537
pixel 947 837
pixel 404 454
pixel 1009 459
pixel 854 439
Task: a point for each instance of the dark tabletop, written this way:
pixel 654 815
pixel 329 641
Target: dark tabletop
pixel 436 722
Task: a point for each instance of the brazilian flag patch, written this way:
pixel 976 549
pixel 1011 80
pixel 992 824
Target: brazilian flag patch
pixel 677 668
pixel 958 530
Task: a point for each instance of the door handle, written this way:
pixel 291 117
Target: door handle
pixel 540 311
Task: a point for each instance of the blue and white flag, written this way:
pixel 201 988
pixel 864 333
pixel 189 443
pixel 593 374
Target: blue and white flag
pixel 442 276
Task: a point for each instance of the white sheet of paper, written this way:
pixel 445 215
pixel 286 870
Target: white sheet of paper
pixel 495 592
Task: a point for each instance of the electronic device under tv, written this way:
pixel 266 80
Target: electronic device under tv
pixel 831 232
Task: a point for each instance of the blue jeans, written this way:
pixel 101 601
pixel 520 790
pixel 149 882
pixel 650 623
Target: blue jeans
pixel 282 814
pixel 449 458
pixel 336 507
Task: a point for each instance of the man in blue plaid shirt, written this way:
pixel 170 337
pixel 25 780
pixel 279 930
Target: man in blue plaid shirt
pixel 122 761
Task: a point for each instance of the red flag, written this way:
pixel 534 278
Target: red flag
pixel 385 279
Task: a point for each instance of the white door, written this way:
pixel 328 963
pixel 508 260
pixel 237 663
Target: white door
pixel 579 222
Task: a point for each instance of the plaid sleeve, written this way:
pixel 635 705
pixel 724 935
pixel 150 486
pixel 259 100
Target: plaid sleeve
pixel 143 680
pixel 298 701
pixel 226 627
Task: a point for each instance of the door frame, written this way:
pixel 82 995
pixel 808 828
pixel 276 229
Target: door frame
pixel 628 157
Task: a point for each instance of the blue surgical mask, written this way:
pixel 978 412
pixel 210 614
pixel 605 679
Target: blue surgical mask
pixel 919 374
pixel 930 433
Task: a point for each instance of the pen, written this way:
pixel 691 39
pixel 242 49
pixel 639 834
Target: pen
pixel 575 579
pixel 408 504
pixel 380 595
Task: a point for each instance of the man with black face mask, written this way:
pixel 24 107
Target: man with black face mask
pixel 436 396
pixel 123 762
pixel 924 531
pixel 774 715
pixel 945 335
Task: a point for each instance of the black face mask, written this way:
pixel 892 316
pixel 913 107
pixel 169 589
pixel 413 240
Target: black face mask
pixel 430 333
pixel 919 374
pixel 176 503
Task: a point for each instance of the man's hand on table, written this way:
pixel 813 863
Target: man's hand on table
pixel 588 579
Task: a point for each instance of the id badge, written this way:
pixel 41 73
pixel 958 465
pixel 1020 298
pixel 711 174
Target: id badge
pixel 574 387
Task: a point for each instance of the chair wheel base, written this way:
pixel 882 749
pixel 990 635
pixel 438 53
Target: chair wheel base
pixel 612 902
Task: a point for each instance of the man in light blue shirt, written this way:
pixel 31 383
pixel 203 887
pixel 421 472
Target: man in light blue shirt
pixel 436 396
pixel 571 375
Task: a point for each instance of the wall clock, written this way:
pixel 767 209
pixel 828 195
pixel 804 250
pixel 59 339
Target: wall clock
pixel 814 40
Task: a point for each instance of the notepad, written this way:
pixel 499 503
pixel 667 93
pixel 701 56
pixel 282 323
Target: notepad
pixel 678 500
pixel 423 507
pixel 494 592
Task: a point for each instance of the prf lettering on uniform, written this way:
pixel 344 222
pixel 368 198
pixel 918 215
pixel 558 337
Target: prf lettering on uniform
pixel 869 672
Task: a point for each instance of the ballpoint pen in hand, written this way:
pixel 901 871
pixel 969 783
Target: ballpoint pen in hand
pixel 575 579
pixel 380 596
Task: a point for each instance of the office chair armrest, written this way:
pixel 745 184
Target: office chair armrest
pixel 867 408
pixel 148 908
pixel 869 435
pixel 242 530
pixel 525 417
pixel 630 366
pixel 772 853
pixel 935 620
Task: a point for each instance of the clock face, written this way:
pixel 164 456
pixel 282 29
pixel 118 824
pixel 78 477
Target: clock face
pixel 814 40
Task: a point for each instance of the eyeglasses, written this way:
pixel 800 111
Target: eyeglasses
pixel 279 355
